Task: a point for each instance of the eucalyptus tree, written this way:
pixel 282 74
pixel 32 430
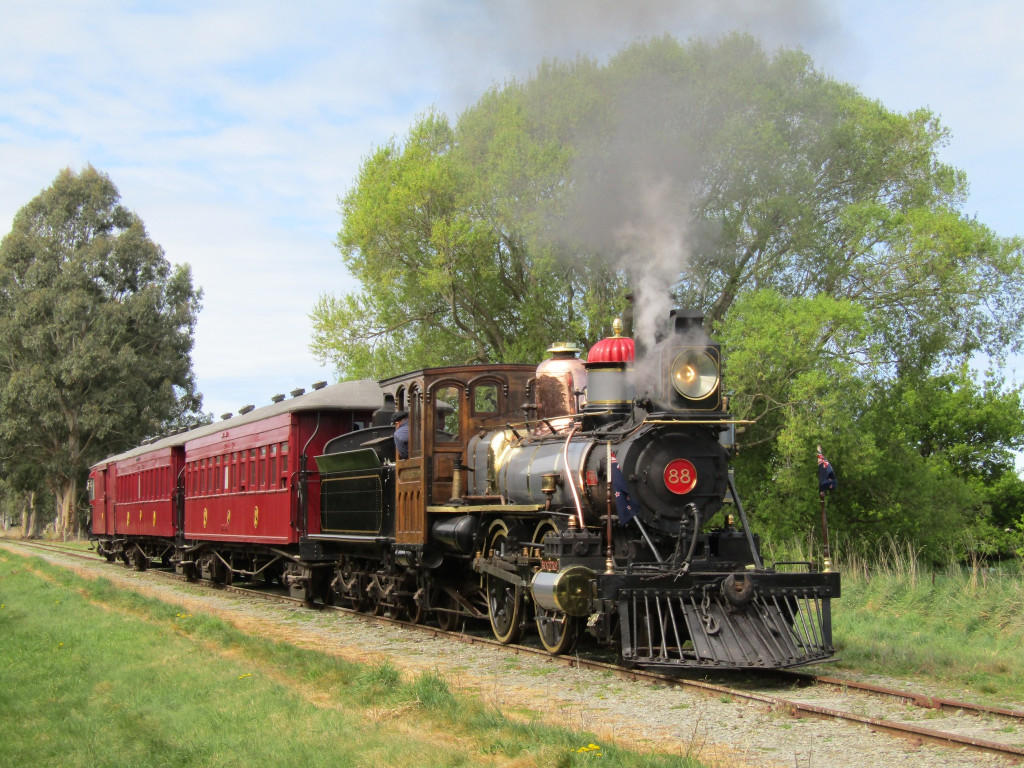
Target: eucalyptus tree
pixel 96 332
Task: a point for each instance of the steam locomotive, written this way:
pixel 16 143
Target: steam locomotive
pixel 573 499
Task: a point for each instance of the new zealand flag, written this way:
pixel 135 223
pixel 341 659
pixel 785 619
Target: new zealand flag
pixel 826 475
pixel 625 505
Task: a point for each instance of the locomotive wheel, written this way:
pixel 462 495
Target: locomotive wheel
pixel 357 604
pixel 448 620
pixel 504 599
pixel 414 613
pixel 350 587
pixel 376 607
pixel 557 631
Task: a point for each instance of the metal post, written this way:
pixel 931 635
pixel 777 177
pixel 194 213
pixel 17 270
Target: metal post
pixel 609 561
pixel 826 561
pixel 826 564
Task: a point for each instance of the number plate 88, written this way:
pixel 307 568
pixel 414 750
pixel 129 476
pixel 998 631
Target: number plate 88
pixel 680 476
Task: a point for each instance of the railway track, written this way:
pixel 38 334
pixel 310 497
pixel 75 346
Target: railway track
pixel 803 696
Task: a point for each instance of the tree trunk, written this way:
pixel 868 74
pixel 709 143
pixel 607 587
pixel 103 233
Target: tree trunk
pixel 28 517
pixel 67 493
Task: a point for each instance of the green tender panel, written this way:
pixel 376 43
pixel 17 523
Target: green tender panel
pixel 352 503
pixel 362 458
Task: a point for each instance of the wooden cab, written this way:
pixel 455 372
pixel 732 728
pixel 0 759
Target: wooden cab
pixel 447 406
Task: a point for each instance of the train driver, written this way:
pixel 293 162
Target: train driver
pixel 401 422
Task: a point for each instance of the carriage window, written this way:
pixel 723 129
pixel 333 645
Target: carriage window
pixel 284 458
pixel 414 423
pixel 252 468
pixel 263 467
pixel 273 465
pixel 485 398
pixel 447 402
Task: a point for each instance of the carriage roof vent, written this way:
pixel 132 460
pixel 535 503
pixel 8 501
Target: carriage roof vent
pixel 245 409
pixel 319 385
pixel 226 416
pixel 277 398
pixel 297 391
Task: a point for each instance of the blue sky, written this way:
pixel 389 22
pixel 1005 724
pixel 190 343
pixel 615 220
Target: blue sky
pixel 232 128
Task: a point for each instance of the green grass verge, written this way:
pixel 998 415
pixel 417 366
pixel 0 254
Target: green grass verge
pixel 93 675
pixel 960 630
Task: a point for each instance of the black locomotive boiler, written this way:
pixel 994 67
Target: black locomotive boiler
pixel 573 499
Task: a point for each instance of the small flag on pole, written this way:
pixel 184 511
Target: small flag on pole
pixel 826 475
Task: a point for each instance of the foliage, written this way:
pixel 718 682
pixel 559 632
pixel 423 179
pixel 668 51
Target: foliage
pixel 96 330
pixel 818 230
pixel 442 281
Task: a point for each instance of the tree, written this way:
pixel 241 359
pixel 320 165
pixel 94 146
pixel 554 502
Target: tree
pixel 819 231
pixel 443 281
pixel 96 330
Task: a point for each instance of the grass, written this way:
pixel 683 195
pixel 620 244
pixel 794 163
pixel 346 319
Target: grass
pixel 94 675
pixel 962 628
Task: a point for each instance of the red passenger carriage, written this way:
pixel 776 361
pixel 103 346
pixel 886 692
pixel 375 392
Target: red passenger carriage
pixel 209 498
pixel 135 514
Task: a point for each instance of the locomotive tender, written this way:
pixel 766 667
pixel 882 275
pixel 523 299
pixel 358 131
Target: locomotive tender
pixel 573 498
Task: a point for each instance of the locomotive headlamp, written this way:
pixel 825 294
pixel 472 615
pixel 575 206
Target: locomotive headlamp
pixel 694 374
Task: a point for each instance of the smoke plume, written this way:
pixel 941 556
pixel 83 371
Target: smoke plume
pixel 636 176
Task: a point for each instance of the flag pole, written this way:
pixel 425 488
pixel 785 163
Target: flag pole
pixel 826 564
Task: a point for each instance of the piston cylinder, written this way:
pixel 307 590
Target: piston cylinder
pixel 569 591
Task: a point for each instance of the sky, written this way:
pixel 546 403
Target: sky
pixel 232 128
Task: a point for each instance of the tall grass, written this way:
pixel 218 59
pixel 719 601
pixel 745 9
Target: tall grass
pixel 959 625
pixel 94 675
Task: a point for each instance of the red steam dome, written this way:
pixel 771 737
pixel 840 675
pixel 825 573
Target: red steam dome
pixel 614 349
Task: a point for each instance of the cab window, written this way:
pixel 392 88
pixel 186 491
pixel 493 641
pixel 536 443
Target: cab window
pixel 447 401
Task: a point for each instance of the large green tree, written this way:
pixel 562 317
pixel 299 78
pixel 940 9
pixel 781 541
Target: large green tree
pixel 96 331
pixel 819 231
pixel 447 276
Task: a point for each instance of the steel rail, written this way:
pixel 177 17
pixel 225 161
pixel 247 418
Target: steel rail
pixel 794 708
pixel 923 700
